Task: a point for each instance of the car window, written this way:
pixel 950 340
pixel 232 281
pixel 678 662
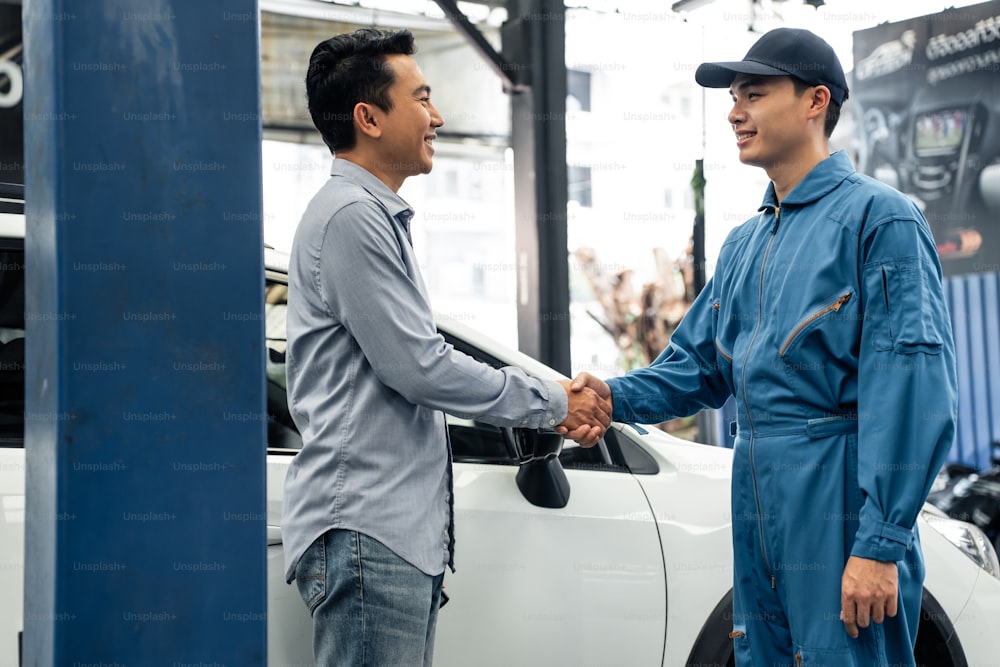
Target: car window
pixel 574 457
pixel 476 442
pixel 281 430
pixel 12 343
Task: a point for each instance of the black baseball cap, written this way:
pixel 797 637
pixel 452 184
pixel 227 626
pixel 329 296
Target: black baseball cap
pixel 783 52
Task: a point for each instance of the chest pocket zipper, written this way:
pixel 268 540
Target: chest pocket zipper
pixel 833 307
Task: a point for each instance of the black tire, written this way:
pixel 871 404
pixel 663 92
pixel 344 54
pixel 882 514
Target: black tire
pixel 713 647
pixel 937 643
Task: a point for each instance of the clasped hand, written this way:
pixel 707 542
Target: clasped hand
pixel 589 413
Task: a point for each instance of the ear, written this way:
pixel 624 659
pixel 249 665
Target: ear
pixel 819 101
pixel 366 120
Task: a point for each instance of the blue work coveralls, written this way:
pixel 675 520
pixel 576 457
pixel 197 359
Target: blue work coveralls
pixel 825 318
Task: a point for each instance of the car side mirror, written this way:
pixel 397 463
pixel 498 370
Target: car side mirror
pixel 541 477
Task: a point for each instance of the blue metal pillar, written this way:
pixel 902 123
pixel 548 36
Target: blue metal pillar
pixel 145 535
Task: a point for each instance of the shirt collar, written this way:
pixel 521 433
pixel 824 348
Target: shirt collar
pixel 396 205
pixel 823 178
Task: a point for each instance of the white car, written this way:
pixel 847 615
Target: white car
pixel 615 555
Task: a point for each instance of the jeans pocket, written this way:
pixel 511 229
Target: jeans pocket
pixel 310 574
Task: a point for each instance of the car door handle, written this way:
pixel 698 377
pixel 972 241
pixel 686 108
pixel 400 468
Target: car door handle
pixel 273 535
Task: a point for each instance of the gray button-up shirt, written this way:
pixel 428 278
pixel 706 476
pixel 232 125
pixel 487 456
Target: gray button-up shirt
pixel 369 380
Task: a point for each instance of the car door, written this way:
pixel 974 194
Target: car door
pixel 578 585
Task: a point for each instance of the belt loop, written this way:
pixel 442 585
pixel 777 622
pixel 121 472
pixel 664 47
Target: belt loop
pixel 732 429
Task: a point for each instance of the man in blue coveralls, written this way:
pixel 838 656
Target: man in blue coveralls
pixel 826 320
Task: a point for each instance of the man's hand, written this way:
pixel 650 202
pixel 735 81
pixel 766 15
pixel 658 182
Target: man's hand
pixel 869 590
pixel 585 384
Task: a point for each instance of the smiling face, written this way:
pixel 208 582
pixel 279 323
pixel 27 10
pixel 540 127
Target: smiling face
pixel 771 122
pixel 407 130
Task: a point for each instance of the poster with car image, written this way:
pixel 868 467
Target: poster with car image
pixel 925 95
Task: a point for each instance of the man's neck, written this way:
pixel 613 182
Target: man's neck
pixel 787 174
pixel 370 163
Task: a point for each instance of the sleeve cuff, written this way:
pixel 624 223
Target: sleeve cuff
pixel 557 407
pixel 619 413
pixel 878 540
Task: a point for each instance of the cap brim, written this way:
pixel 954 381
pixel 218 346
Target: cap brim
pixel 721 75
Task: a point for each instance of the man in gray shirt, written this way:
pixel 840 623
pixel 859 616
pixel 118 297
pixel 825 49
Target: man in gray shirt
pixel 368 524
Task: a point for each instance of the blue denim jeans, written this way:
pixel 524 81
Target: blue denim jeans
pixel 370 608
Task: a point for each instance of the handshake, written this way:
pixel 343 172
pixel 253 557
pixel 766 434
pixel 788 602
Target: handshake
pixel 589 412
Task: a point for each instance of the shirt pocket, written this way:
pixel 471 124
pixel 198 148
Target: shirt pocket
pixel 900 305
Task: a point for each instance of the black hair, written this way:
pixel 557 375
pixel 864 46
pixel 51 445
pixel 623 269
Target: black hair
pixel 348 69
pixel 832 111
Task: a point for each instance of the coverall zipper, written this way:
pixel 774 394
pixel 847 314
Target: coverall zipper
pixel 819 313
pixel 753 469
